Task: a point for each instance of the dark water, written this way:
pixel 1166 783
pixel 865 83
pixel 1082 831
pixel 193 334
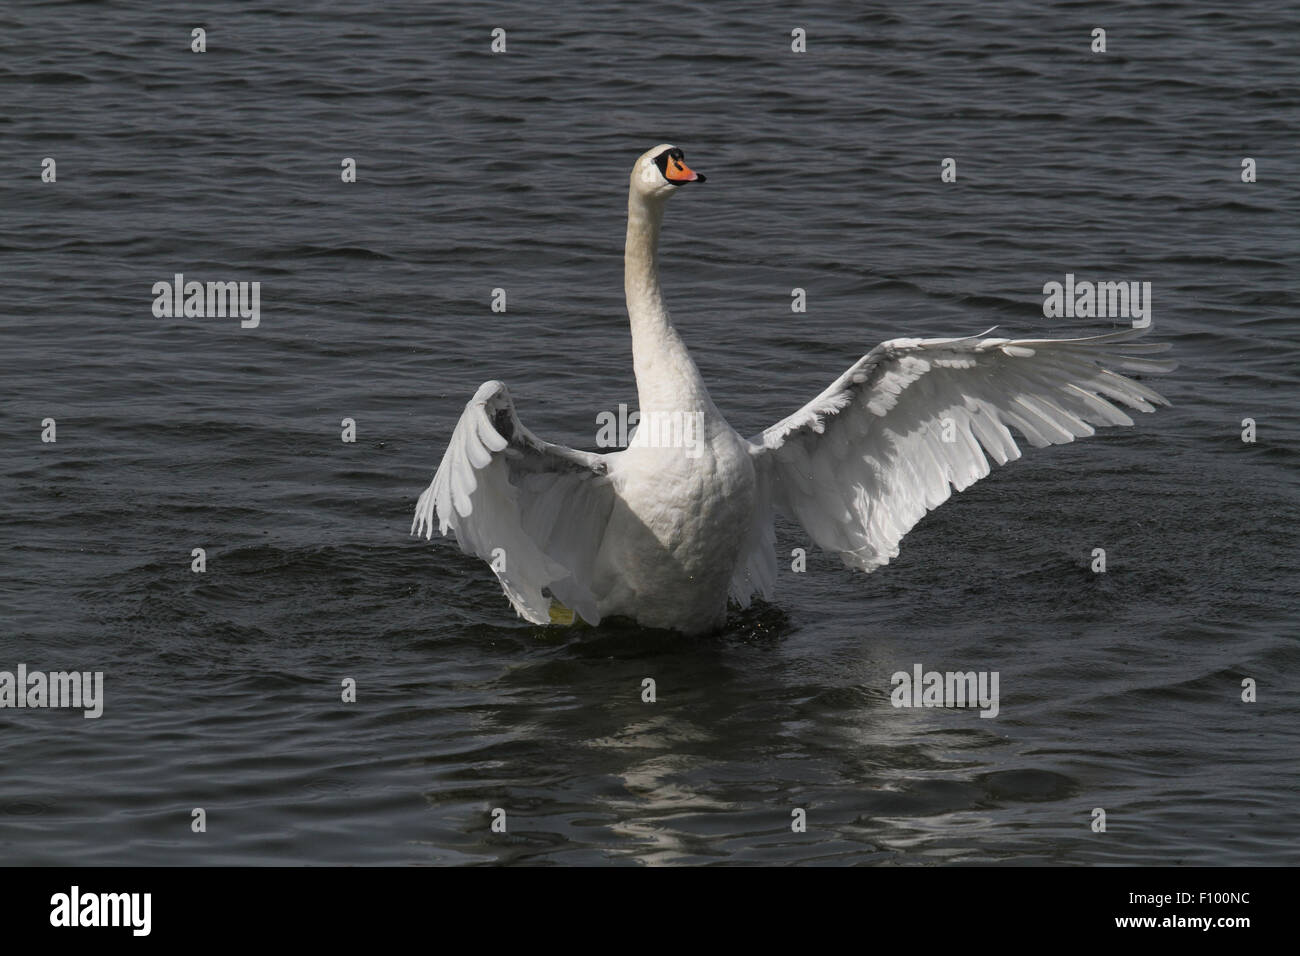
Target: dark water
pixel 1119 691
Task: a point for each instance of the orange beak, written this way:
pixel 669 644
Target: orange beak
pixel 678 172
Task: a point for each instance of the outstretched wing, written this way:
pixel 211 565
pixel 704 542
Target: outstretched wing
pixel 536 512
pixel 863 462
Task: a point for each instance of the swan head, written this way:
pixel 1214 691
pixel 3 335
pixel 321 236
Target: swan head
pixel 659 172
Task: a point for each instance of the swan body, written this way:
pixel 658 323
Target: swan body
pixel 666 532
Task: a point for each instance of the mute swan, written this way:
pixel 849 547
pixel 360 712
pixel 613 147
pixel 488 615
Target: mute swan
pixel 665 532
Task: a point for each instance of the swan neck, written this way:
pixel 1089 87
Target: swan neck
pixel 641 261
pixel 665 373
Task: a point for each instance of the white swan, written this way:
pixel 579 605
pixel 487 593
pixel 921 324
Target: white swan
pixel 665 535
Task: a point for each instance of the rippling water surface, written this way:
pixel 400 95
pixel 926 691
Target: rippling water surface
pixel 476 171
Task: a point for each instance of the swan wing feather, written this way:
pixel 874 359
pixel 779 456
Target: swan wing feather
pixel 915 419
pixel 536 512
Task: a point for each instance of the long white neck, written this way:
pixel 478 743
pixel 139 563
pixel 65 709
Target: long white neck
pixel 666 376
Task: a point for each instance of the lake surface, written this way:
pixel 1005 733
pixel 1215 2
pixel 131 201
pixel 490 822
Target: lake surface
pixel 476 171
